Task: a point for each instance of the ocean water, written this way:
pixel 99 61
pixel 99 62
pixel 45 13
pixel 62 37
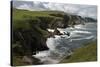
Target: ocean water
pixel 63 45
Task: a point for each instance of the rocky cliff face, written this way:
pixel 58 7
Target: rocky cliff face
pixel 29 41
pixel 30 33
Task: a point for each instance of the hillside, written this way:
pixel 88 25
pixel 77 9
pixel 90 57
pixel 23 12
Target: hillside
pixel 83 54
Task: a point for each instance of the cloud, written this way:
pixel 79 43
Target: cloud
pixel 23 4
pixel 83 10
pixel 89 11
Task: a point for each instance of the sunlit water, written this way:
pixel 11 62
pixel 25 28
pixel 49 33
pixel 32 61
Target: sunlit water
pixel 61 46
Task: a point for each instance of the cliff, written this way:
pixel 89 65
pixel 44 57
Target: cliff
pixel 29 29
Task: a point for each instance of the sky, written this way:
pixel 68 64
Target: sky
pixel 78 9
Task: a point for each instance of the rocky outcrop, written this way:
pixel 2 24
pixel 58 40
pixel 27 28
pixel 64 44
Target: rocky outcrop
pixel 29 42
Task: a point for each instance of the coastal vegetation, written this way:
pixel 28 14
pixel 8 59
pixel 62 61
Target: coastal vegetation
pixel 83 54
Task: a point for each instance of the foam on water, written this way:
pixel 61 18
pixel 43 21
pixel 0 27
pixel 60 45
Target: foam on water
pixel 78 31
pixel 83 38
pixel 50 30
pixel 60 46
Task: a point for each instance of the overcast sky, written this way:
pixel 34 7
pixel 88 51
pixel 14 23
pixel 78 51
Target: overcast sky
pixel 82 10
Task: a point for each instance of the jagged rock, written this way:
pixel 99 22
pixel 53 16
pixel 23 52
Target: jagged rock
pixel 57 32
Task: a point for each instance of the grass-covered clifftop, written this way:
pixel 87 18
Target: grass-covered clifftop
pixel 83 54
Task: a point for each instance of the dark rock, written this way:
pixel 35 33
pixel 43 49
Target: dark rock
pixel 29 41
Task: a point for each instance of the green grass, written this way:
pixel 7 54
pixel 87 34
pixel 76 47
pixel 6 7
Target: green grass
pixel 20 14
pixel 28 20
pixel 22 18
pixel 83 54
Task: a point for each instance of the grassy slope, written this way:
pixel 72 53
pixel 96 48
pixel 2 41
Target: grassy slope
pixel 21 17
pixel 18 14
pixel 83 54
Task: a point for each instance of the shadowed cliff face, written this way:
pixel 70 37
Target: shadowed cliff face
pixel 30 43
